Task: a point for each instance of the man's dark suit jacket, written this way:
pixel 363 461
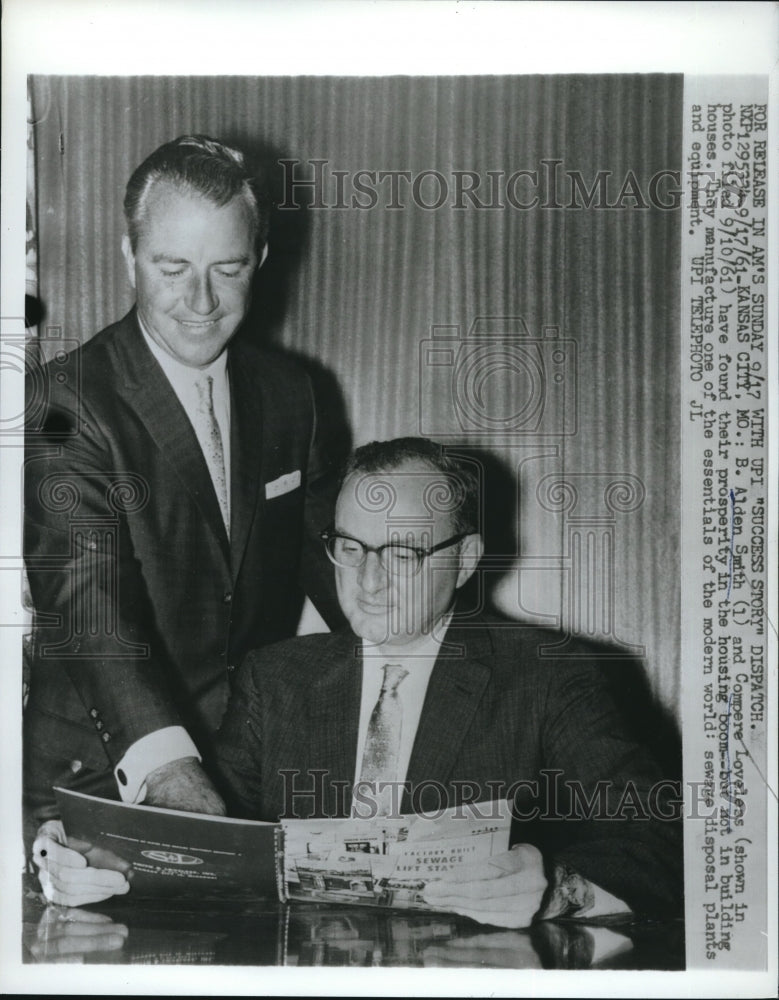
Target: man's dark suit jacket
pixel 143 606
pixel 497 711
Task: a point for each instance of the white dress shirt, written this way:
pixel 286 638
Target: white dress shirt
pixel 182 379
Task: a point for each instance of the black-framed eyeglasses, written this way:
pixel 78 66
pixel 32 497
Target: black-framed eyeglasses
pixel 396 558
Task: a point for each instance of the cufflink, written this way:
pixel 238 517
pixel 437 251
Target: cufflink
pixel 75 766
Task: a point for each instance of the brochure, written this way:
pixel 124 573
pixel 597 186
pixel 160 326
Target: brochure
pixel 376 862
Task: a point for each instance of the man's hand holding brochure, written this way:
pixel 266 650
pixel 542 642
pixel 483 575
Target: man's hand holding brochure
pixel 67 877
pixel 395 861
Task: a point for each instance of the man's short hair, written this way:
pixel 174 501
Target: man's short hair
pixel 200 165
pixel 461 476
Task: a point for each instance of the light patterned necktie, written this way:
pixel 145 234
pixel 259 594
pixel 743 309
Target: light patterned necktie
pixel 382 741
pixel 211 441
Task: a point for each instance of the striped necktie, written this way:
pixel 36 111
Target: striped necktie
pixel 210 438
pixel 382 741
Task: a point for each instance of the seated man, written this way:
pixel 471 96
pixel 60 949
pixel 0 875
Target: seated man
pixel 416 709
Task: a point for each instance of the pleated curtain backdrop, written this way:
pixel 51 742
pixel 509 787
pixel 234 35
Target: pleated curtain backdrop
pixel 580 439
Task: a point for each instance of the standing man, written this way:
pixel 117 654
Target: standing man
pixel 169 499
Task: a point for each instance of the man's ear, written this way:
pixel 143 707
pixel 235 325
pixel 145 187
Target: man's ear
pixel 471 551
pixel 129 259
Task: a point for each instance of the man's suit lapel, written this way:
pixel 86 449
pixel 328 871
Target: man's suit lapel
pixel 247 442
pixel 453 695
pixel 152 397
pixel 334 713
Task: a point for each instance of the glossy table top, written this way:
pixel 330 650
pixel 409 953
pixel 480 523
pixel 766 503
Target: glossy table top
pixel 266 932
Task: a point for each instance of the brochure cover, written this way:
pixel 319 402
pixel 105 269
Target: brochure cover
pixel 175 853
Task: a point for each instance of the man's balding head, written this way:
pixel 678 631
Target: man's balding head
pixel 195 165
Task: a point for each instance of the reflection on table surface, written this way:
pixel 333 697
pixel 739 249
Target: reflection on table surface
pixel 123 931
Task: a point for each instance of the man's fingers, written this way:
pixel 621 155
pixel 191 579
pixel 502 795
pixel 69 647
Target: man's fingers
pixel 76 844
pixel 67 890
pixel 505 890
pixel 521 858
pixel 53 828
pixel 47 852
pixel 444 891
pixel 476 871
pixel 89 878
pixel 65 877
pixel 100 857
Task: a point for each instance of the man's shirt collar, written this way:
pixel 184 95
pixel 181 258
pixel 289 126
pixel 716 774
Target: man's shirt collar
pixel 177 372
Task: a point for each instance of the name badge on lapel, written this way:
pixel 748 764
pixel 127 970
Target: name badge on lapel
pixel 282 485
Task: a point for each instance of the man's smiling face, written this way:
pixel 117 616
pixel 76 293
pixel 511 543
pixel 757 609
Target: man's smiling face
pixel 192 271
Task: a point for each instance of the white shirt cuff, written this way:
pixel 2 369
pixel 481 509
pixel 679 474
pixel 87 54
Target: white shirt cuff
pixel 605 904
pixel 146 755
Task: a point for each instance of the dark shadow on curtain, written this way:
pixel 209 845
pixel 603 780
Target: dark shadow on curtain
pixel 626 675
pixel 288 241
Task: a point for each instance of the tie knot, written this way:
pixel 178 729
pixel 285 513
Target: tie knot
pixel 393 675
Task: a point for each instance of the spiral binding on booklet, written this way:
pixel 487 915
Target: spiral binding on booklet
pixel 278 847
